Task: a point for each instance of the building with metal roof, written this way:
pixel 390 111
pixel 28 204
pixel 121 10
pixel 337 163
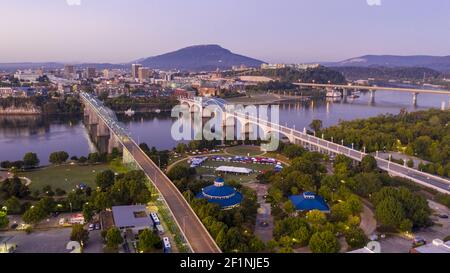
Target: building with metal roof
pixel 225 196
pixel 135 218
pixel 309 201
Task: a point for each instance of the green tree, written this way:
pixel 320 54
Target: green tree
pixel 369 164
pixel 105 179
pixel 58 157
pixel 113 238
pixel 316 125
pixel 79 234
pixel 34 215
pixel 390 212
pixel 88 212
pixel 30 160
pixel 324 242
pixel 148 241
pixel 355 237
pixel 4 221
pixel 289 206
pixel 13 205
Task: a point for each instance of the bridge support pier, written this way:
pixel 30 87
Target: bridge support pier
pixel 372 96
pixel 415 98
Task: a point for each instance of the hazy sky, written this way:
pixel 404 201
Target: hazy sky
pixel 274 31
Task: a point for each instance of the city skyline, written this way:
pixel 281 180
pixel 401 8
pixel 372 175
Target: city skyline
pixel 116 32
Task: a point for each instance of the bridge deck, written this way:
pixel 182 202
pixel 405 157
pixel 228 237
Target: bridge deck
pixel 198 237
pixel 196 234
pixel 376 88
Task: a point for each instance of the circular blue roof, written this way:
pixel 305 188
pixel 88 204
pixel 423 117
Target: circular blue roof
pixel 219 193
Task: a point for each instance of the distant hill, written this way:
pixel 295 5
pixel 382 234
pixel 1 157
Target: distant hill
pixel 433 62
pixel 11 67
pixel 199 58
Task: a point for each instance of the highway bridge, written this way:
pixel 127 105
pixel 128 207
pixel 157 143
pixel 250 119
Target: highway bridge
pixel 102 123
pixel 314 143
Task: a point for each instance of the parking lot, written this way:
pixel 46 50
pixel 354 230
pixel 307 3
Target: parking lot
pixel 398 244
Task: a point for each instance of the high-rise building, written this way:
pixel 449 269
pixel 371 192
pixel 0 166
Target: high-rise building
pixel 143 73
pixel 90 72
pixel 69 71
pixel 135 70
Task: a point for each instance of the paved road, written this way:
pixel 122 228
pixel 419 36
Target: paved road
pixel 195 233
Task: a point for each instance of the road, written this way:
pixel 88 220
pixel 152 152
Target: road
pixel 195 233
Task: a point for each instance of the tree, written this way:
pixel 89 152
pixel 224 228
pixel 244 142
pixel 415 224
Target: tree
pixel 316 125
pixel 390 212
pixel 181 148
pixel 148 241
pixel 93 158
pixel 88 212
pixel 178 172
pixel 4 221
pixel 79 234
pixel 355 237
pixel 34 215
pixel 369 164
pixel 30 160
pixel 105 179
pixel 58 157
pixel 113 238
pixel 289 207
pixel 13 205
pixel 324 242
pixel 316 219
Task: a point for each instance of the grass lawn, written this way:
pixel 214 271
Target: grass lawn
pixel 245 150
pixel 207 170
pixel 65 177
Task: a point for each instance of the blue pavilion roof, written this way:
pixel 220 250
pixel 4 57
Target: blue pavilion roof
pixel 219 193
pixel 309 201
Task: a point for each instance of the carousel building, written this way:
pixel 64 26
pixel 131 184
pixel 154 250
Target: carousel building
pixel 225 196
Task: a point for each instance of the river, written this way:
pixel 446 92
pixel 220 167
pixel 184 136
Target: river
pixel 43 136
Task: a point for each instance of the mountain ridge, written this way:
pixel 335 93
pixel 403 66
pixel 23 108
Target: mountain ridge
pixel 439 63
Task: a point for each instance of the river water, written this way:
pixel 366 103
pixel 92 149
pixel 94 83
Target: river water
pixel 19 135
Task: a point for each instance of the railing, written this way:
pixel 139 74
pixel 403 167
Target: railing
pixel 383 164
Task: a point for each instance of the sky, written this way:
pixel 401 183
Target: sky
pixel 289 31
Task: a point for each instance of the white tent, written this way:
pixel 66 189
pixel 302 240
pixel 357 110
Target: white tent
pixel 230 169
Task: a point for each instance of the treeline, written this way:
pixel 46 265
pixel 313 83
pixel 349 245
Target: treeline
pixel 387 73
pixel 123 103
pixel 424 134
pixel 397 206
pixel 48 106
pixel 290 75
pixel 31 160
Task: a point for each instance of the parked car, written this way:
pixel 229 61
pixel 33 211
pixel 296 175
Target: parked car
pixel 443 216
pixel 97 226
pixel 14 226
pixel 91 227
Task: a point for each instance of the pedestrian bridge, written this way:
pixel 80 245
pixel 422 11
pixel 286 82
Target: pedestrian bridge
pixel 321 145
pixel 105 128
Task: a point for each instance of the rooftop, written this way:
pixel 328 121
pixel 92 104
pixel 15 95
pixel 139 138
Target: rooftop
pixel 131 216
pixel 309 201
pixel 437 246
pixel 223 195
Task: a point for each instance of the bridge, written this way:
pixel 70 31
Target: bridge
pixel 373 89
pixel 321 145
pixel 108 133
